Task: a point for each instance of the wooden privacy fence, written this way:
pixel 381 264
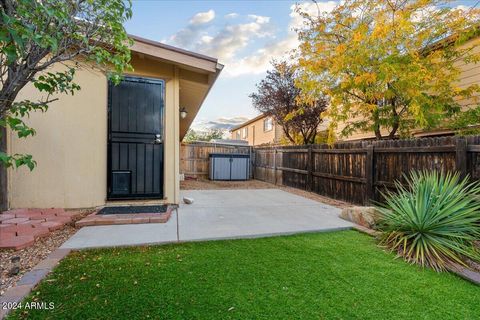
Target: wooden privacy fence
pixel 357 172
pixel 194 157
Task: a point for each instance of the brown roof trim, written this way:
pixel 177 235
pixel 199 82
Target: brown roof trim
pixel 474 32
pixel 246 123
pixel 172 48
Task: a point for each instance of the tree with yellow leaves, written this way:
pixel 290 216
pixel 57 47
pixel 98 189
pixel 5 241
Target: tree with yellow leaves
pixel 388 66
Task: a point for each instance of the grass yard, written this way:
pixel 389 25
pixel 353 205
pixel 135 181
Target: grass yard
pixel 312 276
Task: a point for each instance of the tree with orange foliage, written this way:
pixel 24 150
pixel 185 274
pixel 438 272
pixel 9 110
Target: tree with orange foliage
pixel 387 66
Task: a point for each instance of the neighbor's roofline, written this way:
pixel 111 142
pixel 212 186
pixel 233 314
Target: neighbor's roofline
pixel 172 48
pixel 449 40
pixel 246 123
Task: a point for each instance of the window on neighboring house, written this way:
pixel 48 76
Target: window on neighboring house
pixel 267 124
pixel 245 133
pixel 238 135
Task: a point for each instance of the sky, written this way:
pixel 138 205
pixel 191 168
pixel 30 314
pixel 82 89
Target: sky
pixel 244 35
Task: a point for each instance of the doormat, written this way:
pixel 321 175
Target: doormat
pixel 133 209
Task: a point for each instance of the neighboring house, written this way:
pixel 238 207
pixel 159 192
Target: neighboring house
pixel 114 142
pixel 257 131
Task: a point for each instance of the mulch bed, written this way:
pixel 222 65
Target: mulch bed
pixel 32 255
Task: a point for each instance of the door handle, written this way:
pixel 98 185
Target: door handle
pixel 158 138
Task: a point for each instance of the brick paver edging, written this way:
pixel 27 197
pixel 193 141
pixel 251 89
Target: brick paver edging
pixel 20 228
pixel 30 279
pixel 462 272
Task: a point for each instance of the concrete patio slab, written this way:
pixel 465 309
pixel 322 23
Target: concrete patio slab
pixel 221 214
pixel 123 235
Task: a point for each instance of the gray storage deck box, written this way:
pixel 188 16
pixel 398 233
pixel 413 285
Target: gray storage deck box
pixel 229 166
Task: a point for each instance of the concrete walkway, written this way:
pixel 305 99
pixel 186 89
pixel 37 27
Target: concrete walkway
pixel 221 214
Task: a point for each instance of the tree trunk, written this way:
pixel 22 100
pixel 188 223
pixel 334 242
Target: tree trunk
pixel 314 135
pixel 3 172
pixel 376 129
pixel 3 169
pixel 287 134
pixel 394 130
pixel 376 125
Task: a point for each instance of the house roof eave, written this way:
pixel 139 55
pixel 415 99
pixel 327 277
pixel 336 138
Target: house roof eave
pixel 246 123
pixel 173 54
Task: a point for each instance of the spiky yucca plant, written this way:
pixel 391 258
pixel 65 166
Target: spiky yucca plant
pixel 432 220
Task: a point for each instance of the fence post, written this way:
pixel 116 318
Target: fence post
pixel 309 168
pixel 461 156
pixel 369 171
pixel 274 165
pixel 251 154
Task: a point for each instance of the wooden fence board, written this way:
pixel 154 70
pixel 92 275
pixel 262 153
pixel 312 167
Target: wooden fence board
pixel 360 171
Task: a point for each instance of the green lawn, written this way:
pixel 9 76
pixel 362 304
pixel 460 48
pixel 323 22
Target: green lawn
pixel 313 276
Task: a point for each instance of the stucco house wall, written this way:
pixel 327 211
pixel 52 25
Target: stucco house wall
pixel 256 135
pixel 70 146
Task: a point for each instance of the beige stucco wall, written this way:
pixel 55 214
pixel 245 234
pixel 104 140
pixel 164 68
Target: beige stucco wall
pixel 256 134
pixel 70 146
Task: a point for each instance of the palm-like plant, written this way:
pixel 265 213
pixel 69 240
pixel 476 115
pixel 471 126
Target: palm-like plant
pixel 433 220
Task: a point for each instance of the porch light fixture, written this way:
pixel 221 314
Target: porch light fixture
pixel 183 113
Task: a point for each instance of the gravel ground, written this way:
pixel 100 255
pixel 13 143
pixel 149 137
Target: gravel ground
pixel 31 256
pixel 317 197
pixel 203 184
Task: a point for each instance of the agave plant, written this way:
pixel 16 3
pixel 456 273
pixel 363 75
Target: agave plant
pixel 432 220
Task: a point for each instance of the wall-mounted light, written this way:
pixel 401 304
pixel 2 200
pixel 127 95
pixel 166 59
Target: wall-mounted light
pixel 183 113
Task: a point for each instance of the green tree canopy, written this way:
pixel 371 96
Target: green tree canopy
pixel 208 135
pixel 34 35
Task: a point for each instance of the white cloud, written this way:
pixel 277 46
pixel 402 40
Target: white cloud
pixel 196 28
pixel 232 15
pixel 231 39
pixel 206 39
pixel 259 19
pixel 234 43
pixel 202 17
pixel 259 61
pixel 219 123
pixel 226 43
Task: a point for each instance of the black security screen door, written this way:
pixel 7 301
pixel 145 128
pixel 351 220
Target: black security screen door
pixel 135 139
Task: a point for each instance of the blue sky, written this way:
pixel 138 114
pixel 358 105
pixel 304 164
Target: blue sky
pixel 243 35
